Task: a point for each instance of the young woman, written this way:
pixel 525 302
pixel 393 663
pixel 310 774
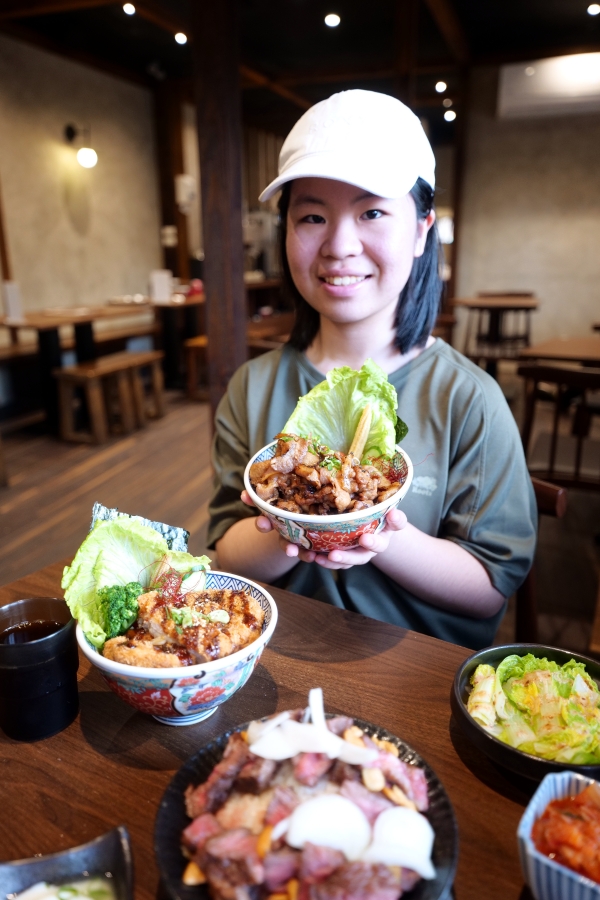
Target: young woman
pixel 361 260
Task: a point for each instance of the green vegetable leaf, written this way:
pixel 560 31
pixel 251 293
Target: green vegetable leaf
pixel 401 429
pixel 116 552
pixel 330 413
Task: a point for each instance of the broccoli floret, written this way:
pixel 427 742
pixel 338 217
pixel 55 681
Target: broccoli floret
pixel 120 607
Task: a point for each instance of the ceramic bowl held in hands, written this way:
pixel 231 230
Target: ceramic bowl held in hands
pixel 184 696
pixel 326 533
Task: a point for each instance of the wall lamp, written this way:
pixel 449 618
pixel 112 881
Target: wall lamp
pixel 86 157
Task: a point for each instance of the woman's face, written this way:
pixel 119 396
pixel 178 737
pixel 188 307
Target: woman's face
pixel 350 253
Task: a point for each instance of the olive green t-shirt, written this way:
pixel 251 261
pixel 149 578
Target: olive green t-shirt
pixel 470 483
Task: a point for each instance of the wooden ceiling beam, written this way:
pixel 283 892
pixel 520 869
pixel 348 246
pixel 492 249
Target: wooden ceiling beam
pixel 20 9
pixel 262 81
pixel 159 14
pixel 450 28
pixel 333 77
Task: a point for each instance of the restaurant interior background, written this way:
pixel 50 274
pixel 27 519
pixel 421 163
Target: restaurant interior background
pixel 181 101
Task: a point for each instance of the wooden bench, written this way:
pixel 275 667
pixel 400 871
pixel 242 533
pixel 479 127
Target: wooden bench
pixel 95 377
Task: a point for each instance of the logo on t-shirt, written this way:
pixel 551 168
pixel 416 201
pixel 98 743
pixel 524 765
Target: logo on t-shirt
pixel 424 484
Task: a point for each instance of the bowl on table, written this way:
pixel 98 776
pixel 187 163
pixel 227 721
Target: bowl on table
pixel 108 855
pixel 336 532
pixel 187 695
pixel 547 879
pixel 525 764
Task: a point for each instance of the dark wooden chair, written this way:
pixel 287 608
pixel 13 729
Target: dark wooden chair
pixel 568 385
pixel 551 500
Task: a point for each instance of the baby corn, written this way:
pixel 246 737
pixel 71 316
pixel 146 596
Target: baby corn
pixel 362 433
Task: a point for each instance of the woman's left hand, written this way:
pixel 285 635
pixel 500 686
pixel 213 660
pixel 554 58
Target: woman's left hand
pixel 370 546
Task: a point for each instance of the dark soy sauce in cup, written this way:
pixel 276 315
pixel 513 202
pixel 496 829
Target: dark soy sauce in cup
pixel 28 631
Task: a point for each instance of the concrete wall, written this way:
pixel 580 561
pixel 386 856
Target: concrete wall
pixel 76 236
pixel 531 211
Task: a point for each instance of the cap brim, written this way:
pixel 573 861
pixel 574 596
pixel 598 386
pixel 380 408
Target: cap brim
pixel 330 166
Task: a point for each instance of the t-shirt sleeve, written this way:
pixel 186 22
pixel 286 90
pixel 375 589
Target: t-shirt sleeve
pixel 230 455
pixel 490 503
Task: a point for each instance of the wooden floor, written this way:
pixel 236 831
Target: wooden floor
pixel 161 472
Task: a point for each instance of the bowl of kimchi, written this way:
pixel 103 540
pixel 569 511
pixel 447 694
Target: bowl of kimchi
pixel 559 838
pixel 334 530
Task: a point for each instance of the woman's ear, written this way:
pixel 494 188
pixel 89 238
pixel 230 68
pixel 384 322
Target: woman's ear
pixel 423 226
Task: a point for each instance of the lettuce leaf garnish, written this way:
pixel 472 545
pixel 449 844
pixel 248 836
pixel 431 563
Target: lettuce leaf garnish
pixel 117 552
pixel 329 414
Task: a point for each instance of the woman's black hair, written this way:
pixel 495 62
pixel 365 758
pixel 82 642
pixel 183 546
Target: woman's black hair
pixel 419 300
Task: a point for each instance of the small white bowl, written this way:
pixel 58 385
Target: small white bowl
pixel 325 533
pixel 548 879
pixel 187 695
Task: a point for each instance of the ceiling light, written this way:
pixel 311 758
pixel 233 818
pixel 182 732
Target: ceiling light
pixel 87 157
pixel 441 87
pixel 447 102
pixel 530 70
pixel 128 9
pixel 181 38
pixel 594 9
pixel 449 115
pixel 333 20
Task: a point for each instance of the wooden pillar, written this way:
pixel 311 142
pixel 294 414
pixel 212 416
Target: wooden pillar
pixel 216 77
pixel 460 146
pixel 406 40
pixel 169 144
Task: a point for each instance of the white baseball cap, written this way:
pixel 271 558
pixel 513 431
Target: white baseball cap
pixel 364 138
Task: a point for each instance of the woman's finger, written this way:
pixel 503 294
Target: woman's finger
pixel 395 520
pixel 376 543
pixel 263 525
pixel 247 499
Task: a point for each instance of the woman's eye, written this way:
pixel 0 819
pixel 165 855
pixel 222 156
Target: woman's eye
pixel 372 214
pixel 313 219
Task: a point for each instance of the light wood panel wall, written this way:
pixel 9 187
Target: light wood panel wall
pixel 260 157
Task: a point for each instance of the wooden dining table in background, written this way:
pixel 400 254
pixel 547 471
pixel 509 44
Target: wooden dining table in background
pixel 47 323
pixel 112 764
pixel 584 350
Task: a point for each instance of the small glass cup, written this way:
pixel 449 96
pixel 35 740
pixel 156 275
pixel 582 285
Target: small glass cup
pixel 38 668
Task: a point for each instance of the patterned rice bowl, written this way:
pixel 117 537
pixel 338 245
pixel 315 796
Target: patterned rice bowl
pixel 547 879
pixel 326 533
pixel 185 696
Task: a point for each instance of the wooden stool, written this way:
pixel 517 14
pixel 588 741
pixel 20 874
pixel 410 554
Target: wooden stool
pixel 122 370
pixel 195 350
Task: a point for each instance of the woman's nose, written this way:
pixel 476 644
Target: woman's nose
pixel 342 240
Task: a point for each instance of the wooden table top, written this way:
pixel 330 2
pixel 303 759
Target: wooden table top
pixel 112 764
pixel 55 317
pixel 584 349
pixel 492 304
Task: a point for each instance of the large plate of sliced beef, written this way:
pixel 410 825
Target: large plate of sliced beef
pixel 222 795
